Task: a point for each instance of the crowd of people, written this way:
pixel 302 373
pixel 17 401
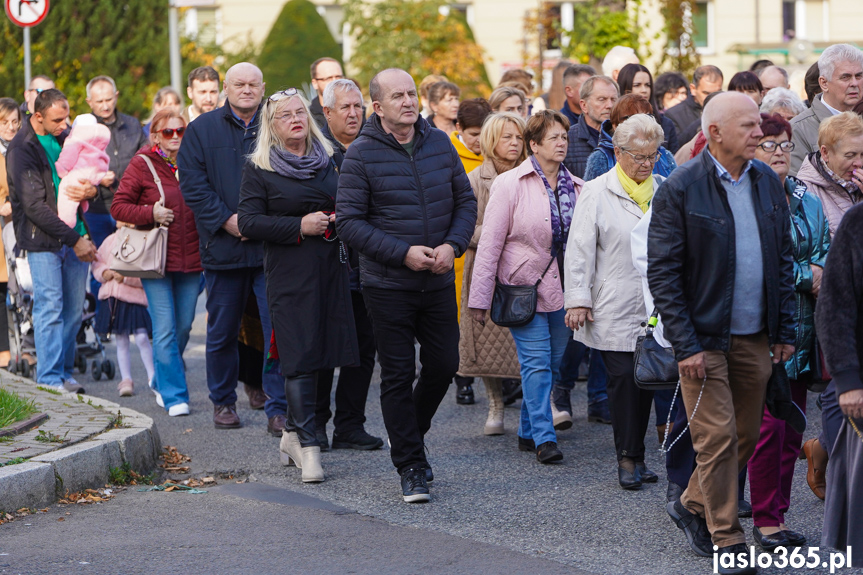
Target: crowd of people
pixel 343 230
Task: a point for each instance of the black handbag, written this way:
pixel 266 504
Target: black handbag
pixel 655 366
pixel 515 306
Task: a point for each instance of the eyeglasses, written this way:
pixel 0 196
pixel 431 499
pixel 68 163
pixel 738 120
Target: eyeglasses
pixel 283 94
pixel 37 90
pixel 169 132
pixel 10 123
pixel 299 114
pixel 770 146
pixel 330 79
pixel 641 158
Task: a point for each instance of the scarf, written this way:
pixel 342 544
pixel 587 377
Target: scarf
pixel 289 165
pixel 849 187
pixel 4 145
pixel 172 162
pixel 641 193
pixel 562 201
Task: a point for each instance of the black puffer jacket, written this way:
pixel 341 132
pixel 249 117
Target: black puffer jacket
pixel 389 201
pixel 691 256
pixel 33 197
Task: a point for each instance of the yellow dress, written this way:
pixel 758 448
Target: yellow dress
pixel 470 161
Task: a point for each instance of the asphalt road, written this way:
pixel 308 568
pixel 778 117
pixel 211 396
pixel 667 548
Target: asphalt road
pixel 494 509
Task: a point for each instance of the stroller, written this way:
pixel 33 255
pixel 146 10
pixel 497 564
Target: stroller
pixel 19 307
pixel 20 310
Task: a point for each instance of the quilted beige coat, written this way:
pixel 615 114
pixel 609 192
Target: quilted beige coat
pixel 484 351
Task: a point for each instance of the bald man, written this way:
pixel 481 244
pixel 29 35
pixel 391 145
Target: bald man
pixel 211 161
pixel 773 77
pixel 722 278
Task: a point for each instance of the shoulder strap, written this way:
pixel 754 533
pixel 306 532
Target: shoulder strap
pixel 553 256
pixel 155 177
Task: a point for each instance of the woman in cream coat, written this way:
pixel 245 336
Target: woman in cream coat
pixel 603 297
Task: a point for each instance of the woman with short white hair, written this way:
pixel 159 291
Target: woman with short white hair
pixel 288 201
pixel 784 102
pixel 603 298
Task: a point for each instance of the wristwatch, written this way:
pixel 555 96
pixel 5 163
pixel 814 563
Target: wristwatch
pixel 455 249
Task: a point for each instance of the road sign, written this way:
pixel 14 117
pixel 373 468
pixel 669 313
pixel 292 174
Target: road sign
pixel 26 13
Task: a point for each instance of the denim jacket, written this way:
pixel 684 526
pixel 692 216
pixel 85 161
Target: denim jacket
pixel 811 240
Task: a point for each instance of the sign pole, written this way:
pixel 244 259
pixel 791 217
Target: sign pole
pixel 27 69
pixel 174 41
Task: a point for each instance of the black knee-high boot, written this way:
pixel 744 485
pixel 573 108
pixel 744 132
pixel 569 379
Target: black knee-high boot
pixel 301 393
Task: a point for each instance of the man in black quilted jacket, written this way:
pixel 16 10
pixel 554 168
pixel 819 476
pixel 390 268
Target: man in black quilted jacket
pixel 405 204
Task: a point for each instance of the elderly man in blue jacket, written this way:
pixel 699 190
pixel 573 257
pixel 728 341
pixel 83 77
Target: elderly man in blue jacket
pixel 210 166
pixel 405 204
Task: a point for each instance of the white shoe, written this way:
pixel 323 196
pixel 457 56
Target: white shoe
pixel 179 409
pixel 560 419
pixel 159 401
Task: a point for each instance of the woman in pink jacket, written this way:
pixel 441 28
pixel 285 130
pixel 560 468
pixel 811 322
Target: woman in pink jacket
pixel 525 229
pixel 123 313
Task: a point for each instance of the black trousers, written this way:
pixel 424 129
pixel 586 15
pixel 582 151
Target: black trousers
pixel 399 318
pixel 4 318
pixel 629 405
pixel 353 388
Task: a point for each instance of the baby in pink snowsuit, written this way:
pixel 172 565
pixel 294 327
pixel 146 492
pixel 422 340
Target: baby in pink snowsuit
pixel 83 158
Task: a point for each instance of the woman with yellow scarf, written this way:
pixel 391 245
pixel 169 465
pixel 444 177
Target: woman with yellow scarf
pixel 469 120
pixel 602 290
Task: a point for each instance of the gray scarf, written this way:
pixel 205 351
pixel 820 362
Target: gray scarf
pixel 287 164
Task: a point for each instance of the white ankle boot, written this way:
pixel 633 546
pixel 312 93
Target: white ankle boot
pixel 312 470
pixel 290 451
pixel 494 391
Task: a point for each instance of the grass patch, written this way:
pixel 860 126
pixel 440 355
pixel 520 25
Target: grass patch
pixel 49 390
pixel 15 461
pixel 50 437
pixel 117 422
pixel 125 475
pixel 14 408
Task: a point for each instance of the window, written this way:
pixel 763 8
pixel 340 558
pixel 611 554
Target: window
pixel 789 20
pixel 700 24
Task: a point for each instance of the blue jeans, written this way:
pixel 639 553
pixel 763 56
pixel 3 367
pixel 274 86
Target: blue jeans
pixel 227 292
pixel 59 285
pixel 171 303
pixel 101 226
pixel 540 346
pixel 596 377
pixel 662 405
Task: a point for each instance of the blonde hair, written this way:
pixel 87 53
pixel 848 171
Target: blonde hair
pixel 836 128
pixel 267 138
pixel 504 93
pixel 492 130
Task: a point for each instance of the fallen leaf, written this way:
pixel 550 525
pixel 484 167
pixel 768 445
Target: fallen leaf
pixel 61 519
pixel 208 480
pixel 187 431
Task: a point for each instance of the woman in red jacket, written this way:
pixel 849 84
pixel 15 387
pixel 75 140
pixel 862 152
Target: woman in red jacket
pixel 171 299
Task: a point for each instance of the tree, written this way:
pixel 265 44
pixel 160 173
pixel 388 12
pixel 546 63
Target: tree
pixel 421 37
pixel 127 40
pixel 298 37
pixel 680 53
pixel 599 25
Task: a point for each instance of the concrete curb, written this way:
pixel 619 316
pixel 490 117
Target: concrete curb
pixel 41 480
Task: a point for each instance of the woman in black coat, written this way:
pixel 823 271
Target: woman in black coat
pixel 287 200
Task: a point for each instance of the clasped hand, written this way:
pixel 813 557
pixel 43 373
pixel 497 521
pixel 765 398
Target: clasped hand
pixel 438 261
pixel 316 224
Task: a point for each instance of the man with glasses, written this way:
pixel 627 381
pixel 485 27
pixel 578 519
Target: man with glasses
pixel 324 71
pixel 210 164
pixel 38 84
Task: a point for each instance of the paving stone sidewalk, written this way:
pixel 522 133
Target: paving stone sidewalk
pixel 71 419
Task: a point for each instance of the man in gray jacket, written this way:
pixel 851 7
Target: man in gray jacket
pixel 841 77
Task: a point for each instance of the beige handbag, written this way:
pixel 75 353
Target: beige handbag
pixel 142 253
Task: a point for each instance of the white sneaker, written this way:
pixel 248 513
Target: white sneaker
pixel 560 419
pixel 159 401
pixel 179 409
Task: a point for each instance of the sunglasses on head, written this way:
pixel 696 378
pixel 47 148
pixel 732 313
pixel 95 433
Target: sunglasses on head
pixel 169 132
pixel 283 94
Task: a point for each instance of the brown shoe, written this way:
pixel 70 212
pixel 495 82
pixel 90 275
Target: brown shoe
pixel 276 425
pixel 816 459
pixel 225 417
pixel 257 397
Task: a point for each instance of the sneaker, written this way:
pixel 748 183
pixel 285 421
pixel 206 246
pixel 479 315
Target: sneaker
pixel 693 527
pixel 357 439
pixel 736 568
pixel 599 412
pixel 414 486
pixel 560 419
pixel 179 409
pixel 73 386
pixel 548 453
pixel 427 468
pixel 159 401
pixel 126 388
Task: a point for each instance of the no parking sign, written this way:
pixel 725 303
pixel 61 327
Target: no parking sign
pixel 26 13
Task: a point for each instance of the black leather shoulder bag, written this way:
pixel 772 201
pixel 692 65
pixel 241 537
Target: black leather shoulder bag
pixel 655 366
pixel 515 305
